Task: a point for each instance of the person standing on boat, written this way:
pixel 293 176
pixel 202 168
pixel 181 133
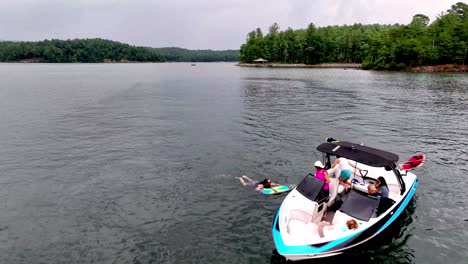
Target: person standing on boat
pixel 344 165
pixel 321 174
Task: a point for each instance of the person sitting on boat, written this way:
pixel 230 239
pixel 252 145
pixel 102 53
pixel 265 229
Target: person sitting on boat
pixel 326 229
pixel 381 185
pixel 258 186
pixel 344 165
pixel 321 174
pixel 372 190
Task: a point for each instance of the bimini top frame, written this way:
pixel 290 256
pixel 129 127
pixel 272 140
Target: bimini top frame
pixel 362 154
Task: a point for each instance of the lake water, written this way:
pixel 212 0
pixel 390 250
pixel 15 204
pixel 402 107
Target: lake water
pixel 136 163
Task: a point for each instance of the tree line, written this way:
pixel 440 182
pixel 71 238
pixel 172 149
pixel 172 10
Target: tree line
pixel 181 55
pixel 444 41
pixel 101 50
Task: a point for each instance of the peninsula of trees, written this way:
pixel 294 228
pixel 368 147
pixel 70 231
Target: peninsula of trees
pixel 392 47
pixel 101 50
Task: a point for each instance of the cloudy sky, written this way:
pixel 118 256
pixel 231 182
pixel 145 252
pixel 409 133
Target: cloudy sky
pixel 194 24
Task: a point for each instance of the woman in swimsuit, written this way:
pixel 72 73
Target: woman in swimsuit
pixel 321 174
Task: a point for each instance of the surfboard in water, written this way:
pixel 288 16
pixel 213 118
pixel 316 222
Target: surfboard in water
pixel 276 189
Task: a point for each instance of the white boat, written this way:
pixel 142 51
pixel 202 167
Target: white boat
pixel 299 227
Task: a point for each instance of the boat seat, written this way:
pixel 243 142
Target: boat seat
pixel 393 189
pixel 303 233
pixel 384 204
pixel 300 226
pixel 340 218
pixel 296 214
pixel 361 187
pixel 297 227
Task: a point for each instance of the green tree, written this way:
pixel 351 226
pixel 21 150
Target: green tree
pixel 445 40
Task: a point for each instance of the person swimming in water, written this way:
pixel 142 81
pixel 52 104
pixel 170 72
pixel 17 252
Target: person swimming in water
pixel 257 185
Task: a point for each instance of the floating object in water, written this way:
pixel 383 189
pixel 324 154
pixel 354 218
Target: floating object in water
pixel 414 162
pixel 277 189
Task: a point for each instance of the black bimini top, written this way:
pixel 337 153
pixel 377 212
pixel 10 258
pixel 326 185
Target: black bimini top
pixel 362 154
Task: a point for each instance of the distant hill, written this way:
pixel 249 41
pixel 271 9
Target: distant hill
pixel 101 50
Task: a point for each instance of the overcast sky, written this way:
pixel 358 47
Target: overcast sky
pixel 194 24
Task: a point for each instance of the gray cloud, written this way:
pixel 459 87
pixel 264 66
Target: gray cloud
pixel 202 24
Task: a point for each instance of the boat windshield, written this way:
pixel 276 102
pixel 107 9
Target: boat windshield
pixel 311 188
pixel 360 205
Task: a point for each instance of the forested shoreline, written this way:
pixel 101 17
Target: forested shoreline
pixel 101 50
pixel 382 47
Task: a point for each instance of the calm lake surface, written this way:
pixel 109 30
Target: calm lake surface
pixel 136 163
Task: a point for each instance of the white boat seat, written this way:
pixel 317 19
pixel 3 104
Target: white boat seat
pixel 360 187
pixel 299 215
pixel 300 226
pixel 302 233
pixel 297 228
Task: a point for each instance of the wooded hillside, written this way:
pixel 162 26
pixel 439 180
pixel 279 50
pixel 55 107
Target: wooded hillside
pixel 444 41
